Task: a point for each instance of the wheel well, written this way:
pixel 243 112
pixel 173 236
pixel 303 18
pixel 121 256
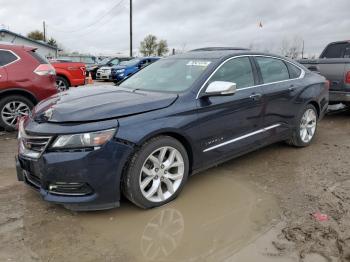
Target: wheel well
pixel 183 141
pixel 20 93
pixel 315 104
pixel 63 76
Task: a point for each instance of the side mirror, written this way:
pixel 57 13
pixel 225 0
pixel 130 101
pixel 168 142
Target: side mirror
pixel 220 88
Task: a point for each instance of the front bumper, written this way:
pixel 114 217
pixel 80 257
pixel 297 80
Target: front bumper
pixel 339 96
pixel 87 180
pixel 103 76
pixel 118 76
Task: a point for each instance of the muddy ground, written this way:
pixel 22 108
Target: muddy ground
pixel 255 208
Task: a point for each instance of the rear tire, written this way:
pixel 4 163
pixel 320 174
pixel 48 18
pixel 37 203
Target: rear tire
pixel 306 127
pixel 12 107
pixel 156 173
pixel 62 84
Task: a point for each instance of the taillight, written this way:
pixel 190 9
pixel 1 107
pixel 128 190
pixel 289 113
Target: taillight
pixel 328 84
pixel 83 70
pixel 44 70
pixel 347 78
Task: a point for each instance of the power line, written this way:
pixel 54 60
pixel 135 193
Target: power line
pixel 92 24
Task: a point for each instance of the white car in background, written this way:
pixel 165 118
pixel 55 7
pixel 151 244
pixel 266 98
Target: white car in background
pixel 104 73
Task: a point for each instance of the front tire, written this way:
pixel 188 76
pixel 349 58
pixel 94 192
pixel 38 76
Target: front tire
pixel 156 173
pixel 305 130
pixel 11 108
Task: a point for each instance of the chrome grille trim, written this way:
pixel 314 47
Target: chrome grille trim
pixel 30 145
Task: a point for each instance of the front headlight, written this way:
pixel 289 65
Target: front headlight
pixel 93 139
pixel 120 71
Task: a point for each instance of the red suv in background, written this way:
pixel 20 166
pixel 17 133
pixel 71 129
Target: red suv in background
pixel 25 79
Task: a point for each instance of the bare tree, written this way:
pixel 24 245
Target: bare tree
pixel 162 48
pixel 292 48
pixel 149 45
pixel 36 35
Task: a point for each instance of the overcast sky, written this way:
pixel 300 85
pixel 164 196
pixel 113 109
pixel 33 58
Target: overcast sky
pixel 102 27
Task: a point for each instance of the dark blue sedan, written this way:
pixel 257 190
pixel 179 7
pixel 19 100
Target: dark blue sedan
pixel 127 68
pixel 85 147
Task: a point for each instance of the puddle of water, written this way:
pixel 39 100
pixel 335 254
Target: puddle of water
pixel 212 219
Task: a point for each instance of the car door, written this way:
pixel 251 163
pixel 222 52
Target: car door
pixel 230 124
pixel 3 78
pixel 280 82
pixel 6 57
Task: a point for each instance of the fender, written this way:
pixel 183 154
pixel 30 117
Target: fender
pixel 19 91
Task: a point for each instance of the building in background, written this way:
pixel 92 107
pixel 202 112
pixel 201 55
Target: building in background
pixel 43 49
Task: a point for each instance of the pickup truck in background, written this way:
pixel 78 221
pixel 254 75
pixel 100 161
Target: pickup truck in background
pixel 334 64
pixel 69 74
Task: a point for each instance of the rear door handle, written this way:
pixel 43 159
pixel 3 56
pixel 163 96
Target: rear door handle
pixel 255 97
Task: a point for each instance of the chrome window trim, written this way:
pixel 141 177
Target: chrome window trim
pixel 18 58
pixel 242 137
pixel 302 74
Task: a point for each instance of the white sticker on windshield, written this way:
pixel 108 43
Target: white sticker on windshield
pixel 198 63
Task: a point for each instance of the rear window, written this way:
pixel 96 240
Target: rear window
pixel 39 58
pixel 294 72
pixel 272 69
pixel 347 52
pixel 6 57
pixel 334 51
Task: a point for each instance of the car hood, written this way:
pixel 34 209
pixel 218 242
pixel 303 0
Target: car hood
pixel 119 67
pixel 105 68
pixel 99 103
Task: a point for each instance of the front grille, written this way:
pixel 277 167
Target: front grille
pixel 37 144
pixel 31 145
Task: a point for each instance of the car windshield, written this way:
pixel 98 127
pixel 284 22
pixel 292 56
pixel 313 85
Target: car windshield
pixel 104 61
pixel 132 62
pixel 168 75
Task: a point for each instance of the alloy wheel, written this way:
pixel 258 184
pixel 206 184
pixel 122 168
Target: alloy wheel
pixel 12 110
pixel 61 86
pixel 161 174
pixel 308 125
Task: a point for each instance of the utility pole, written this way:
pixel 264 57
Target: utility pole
pixel 130 28
pixel 44 27
pixel 302 52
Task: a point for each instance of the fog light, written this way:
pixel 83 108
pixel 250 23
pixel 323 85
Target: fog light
pixel 70 189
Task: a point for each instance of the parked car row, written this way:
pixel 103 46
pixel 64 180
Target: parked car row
pixel 127 68
pixel 103 71
pixel 175 117
pixel 118 69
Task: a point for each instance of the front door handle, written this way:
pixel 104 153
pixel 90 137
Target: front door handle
pixel 256 97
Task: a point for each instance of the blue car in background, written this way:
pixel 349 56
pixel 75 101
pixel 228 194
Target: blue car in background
pixel 127 68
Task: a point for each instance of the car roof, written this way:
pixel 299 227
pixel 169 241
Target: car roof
pixel 149 57
pixel 10 46
pixel 222 54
